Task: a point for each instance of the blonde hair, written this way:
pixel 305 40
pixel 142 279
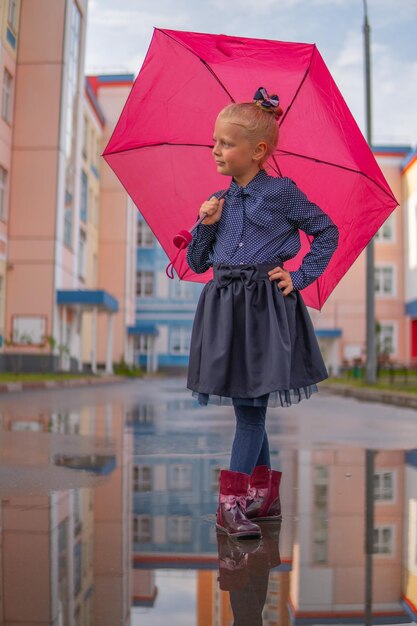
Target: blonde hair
pixel 259 123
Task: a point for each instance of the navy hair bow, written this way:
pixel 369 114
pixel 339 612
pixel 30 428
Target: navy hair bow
pixel 262 98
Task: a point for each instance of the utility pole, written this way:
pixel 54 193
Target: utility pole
pixel 370 272
pixel 370 349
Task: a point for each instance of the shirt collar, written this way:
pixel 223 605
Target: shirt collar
pixel 253 185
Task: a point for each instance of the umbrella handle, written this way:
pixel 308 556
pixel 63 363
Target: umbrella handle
pixel 183 239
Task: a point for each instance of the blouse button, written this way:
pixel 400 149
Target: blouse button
pixel 241 244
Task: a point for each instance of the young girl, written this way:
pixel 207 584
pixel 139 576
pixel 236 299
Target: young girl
pixel 253 343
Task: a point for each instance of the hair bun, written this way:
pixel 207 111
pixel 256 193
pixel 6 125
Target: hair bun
pixel 278 112
pixel 268 103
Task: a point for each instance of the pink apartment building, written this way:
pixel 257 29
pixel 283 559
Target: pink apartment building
pixel 409 191
pixel 9 33
pixel 68 234
pixel 341 325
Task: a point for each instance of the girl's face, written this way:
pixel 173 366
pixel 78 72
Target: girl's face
pixel 233 153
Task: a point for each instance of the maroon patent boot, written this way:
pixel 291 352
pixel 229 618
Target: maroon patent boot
pixel 231 518
pixel 263 503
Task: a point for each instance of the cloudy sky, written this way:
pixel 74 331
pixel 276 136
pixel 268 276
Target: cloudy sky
pixel 119 34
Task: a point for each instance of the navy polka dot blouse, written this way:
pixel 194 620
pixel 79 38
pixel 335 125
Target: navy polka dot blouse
pixel 260 223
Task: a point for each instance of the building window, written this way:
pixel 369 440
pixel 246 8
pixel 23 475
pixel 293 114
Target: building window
pixel 85 137
pixel 384 486
pixel 142 529
pixel 384 280
pixel 3 186
pixel 143 414
pixel 143 344
pixel 383 540
pixel 386 340
pixel 180 340
pixel 84 197
pixel 6 105
pixel 82 255
pixel 77 568
pixel 215 474
pixel 68 228
pixel 386 232
pixel 62 549
pixel 145 284
pixel 71 105
pixel 146 237
pixel 320 513
pixel 179 529
pixel 12 18
pixel 142 478
pixel 182 290
pixel 180 477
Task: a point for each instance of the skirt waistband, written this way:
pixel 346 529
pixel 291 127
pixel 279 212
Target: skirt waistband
pixel 224 274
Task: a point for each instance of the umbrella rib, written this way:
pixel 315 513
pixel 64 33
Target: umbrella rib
pixel 180 43
pixel 212 72
pixel 342 167
pixel 298 89
pixel 156 145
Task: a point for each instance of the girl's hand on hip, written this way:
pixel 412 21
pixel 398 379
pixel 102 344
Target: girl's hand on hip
pixel 284 277
pixel 213 209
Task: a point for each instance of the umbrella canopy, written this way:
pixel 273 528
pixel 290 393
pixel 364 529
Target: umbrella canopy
pixel 161 146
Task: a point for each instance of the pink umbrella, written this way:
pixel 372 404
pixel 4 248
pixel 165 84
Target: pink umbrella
pixel 161 146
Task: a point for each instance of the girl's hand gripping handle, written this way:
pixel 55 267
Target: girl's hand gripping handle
pixel 211 210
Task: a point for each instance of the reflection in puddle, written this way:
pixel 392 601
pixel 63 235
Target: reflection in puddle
pixel 108 501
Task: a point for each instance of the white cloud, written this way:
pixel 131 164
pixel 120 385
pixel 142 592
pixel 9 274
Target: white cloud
pixel 394 87
pixel 259 7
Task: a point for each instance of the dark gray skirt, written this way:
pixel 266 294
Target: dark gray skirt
pixel 250 344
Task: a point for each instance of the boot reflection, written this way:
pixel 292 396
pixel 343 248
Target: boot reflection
pixel 244 571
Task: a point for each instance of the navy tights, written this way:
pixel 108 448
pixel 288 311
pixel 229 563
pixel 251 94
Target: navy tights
pixel 250 446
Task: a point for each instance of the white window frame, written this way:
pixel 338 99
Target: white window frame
pixel 380 268
pixel 3 192
pixel 142 478
pixel 142 528
pixel 320 547
pixel 85 137
pixel 380 473
pixel 68 228
pixel 181 336
pixel 146 280
pixel 145 236
pixel 379 528
pixel 82 255
pixel 389 222
pixel 181 476
pixel 84 197
pixel 6 102
pixel 180 528
pixel 143 344
pixel 215 474
pixel 12 16
pixel 394 325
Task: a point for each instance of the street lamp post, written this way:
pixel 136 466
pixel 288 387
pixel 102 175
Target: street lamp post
pixel 370 277
pixel 370 350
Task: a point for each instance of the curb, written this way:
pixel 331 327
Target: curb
pixel 395 398
pixel 60 384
